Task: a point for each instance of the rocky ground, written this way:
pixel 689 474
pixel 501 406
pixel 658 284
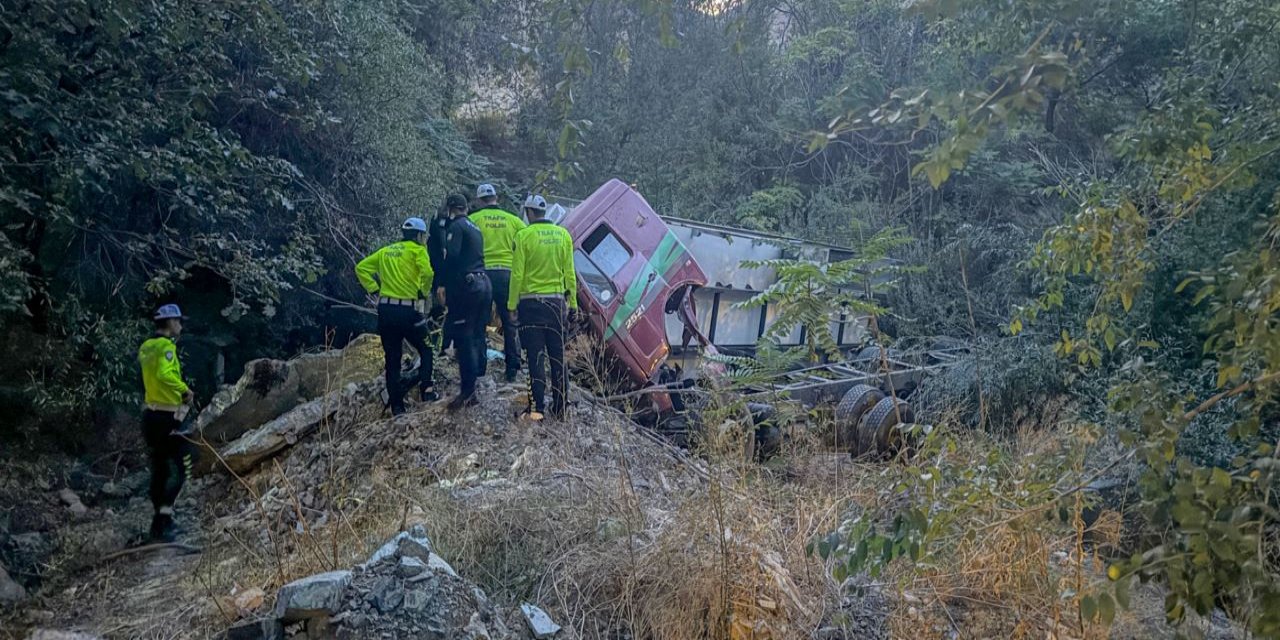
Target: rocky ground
pixel 322 517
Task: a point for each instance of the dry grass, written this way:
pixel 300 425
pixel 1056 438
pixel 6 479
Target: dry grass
pixel 619 535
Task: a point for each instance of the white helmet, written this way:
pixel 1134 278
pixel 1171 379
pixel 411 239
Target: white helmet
pixel 415 224
pixel 535 202
pixel 486 190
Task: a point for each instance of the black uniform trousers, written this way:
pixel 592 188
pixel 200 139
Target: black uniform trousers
pixel 396 325
pixel 170 454
pixel 542 331
pixel 500 279
pixel 469 301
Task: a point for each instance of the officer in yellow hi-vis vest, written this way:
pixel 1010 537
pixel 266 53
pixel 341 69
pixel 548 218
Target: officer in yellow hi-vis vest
pixel 167 399
pixel 543 284
pixel 499 229
pixel 400 275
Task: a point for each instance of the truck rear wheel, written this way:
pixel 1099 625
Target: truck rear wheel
pixel 856 401
pixel 878 432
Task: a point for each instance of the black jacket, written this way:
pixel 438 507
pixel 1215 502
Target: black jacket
pixel 463 250
pixel 435 247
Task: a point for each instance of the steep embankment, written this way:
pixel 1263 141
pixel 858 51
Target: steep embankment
pixel 601 524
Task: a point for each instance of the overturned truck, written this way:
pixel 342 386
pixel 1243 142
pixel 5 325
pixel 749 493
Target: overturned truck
pixel 634 273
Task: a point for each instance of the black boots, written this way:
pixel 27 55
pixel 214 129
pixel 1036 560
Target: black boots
pixel 462 401
pixel 163 528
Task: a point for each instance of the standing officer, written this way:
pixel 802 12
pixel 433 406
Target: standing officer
pixel 468 296
pixel 435 251
pixel 542 282
pixel 399 275
pixel 167 400
pixel 499 229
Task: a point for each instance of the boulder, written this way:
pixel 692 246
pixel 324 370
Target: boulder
pixel 412 543
pixel 386 594
pixel 261 443
pixel 436 563
pixel 539 622
pixel 410 566
pixel 11 593
pixel 322 373
pixel 318 595
pixel 266 391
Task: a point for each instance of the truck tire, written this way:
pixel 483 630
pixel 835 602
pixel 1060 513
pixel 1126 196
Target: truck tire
pixel 877 434
pixel 856 401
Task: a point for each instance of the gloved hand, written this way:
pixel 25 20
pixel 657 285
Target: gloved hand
pixel 437 311
pixel 574 317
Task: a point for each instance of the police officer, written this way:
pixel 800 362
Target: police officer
pixel 499 229
pixel 468 296
pixel 400 275
pixel 167 399
pixel 543 284
pixel 435 251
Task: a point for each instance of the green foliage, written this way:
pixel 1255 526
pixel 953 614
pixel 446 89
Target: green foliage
pixel 813 295
pixel 178 151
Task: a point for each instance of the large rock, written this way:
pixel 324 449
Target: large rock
pixel 539 622
pixel 259 444
pixel 328 371
pixel 413 543
pixel 266 391
pixel 11 592
pixel 318 595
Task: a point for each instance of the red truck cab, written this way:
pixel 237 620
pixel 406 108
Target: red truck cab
pixel 632 270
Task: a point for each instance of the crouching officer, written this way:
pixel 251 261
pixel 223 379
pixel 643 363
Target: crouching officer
pixel 499 230
pixel 468 296
pixel 543 284
pixel 167 399
pixel 400 275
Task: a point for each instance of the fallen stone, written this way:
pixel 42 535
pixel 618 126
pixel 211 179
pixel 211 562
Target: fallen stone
pixel 439 564
pixel 11 593
pixel 386 595
pixel 266 391
pixel 259 444
pixel 539 622
pixel 413 543
pixel 476 629
pixel 415 600
pixel 318 595
pixel 261 629
pixel 410 566
pixel 325 372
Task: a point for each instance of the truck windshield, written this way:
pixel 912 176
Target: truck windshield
pixel 606 250
pixel 598 283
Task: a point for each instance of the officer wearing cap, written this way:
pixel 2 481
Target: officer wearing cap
pixel 167 399
pixel 499 229
pixel 468 296
pixel 543 293
pixel 400 275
